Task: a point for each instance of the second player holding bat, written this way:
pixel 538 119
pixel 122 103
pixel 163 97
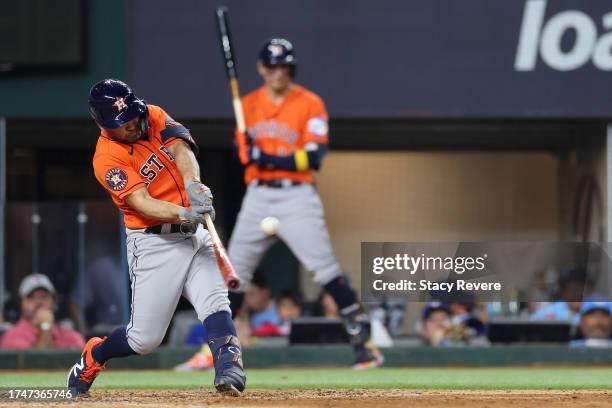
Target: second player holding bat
pixel 289 125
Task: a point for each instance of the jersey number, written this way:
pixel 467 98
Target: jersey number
pixel 152 167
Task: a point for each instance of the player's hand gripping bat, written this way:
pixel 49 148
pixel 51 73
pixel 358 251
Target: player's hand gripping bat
pixel 225 266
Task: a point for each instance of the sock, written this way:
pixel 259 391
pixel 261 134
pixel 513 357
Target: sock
pixel 219 324
pixel 115 345
pixel 343 295
pixel 220 335
pixel 350 311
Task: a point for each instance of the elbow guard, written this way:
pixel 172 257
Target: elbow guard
pixel 176 130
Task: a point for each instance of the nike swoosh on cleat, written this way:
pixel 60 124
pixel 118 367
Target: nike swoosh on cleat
pixel 79 366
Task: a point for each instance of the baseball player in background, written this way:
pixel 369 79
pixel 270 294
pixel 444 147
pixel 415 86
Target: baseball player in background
pixel 146 161
pixel 287 137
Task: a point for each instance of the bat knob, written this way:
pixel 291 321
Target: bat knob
pixel 233 284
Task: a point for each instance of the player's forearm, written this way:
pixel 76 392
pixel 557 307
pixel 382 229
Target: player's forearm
pixel 186 163
pixel 159 210
pixel 153 208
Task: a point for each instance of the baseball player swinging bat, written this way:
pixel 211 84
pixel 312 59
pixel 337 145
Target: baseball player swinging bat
pixel 225 266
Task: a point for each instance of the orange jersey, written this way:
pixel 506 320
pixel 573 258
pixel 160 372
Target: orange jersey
pixel 123 168
pixel 282 129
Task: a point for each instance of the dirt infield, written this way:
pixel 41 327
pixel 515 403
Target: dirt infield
pixel 344 399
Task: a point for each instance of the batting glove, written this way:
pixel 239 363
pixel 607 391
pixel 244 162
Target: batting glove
pixel 199 194
pixel 201 198
pixel 196 213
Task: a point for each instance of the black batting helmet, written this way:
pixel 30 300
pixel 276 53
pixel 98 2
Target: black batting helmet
pixel 278 51
pixel 112 104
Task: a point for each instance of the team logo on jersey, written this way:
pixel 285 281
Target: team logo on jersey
pixel 116 179
pixel 271 128
pixel 317 126
pixel 120 104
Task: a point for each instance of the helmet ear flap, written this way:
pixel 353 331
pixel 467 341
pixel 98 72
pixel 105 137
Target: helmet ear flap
pixel 93 113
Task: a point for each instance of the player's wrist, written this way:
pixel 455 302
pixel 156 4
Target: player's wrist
pixel 191 180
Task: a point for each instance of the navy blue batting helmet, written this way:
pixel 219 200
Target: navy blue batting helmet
pixel 277 51
pixel 113 104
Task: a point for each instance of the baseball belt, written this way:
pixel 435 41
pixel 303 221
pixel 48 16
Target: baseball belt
pixel 279 183
pixel 185 228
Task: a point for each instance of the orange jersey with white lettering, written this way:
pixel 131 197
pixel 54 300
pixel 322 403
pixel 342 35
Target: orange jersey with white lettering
pixel 282 129
pixel 123 168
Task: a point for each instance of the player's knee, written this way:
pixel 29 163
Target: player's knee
pixel 145 345
pixel 222 306
pixel 327 273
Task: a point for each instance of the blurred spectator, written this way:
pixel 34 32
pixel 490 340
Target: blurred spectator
pixel 557 311
pixel 595 325
pixel 442 327
pixel 574 285
pixel 436 318
pixel 288 309
pixel 264 319
pixel 37 328
pixel 325 306
pixel 98 303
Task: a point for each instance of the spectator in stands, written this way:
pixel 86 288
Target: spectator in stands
pixel 573 285
pixel 325 306
pixel 436 319
pixel 37 328
pixel 557 311
pixel 441 327
pixel 288 309
pixel 595 325
pixel 264 319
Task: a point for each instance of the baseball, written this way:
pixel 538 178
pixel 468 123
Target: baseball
pixel 269 225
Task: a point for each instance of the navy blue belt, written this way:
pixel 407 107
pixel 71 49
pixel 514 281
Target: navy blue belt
pixel 182 227
pixel 278 183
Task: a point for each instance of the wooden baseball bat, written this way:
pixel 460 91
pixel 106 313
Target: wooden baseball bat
pixel 225 266
pixel 227 51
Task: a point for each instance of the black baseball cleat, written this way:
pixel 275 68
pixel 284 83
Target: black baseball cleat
pixel 230 378
pixel 368 356
pixel 85 371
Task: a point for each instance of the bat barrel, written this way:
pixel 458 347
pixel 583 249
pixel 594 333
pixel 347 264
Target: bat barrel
pixel 226 41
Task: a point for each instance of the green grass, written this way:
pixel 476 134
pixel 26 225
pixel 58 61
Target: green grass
pixel 408 378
